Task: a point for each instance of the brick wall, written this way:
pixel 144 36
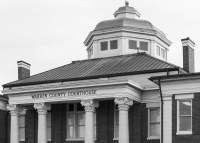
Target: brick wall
pixel 3 126
pixel 188 59
pixel 195 137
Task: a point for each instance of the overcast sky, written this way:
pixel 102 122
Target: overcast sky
pixel 50 33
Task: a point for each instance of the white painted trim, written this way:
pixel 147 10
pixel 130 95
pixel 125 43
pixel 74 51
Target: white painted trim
pixel 153 105
pixel 184 133
pixel 188 43
pixel 85 84
pixel 184 96
pixel 23 65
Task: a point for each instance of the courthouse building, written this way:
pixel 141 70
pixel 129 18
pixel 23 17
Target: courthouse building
pixel 125 92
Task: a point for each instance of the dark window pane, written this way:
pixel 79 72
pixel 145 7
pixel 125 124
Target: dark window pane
pixel 71 107
pixel 185 124
pixel 104 46
pixel 113 44
pixel 132 44
pixel 144 46
pixel 80 107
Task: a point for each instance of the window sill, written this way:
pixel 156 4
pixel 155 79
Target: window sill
pixel 153 138
pixel 115 138
pixel 74 139
pixel 22 139
pixel 184 133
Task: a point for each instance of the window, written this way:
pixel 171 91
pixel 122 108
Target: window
pixel 49 126
pixel 113 44
pixel 22 126
pixel 143 46
pixel 154 122
pixel 90 52
pixel 132 44
pixel 158 50
pixel 76 121
pixel 184 116
pixel 163 53
pixel 116 121
pixel 104 46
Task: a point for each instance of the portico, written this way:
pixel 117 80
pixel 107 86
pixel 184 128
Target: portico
pixel 122 92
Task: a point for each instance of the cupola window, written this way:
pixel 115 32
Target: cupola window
pixel 161 52
pixel 104 46
pixel 132 44
pixel 143 46
pixel 113 44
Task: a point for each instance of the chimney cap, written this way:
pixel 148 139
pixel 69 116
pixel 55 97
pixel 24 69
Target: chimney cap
pixel 188 39
pixel 23 64
pixel 19 62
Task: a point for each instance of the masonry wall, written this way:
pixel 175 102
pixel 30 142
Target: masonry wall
pixel 3 126
pixel 195 137
pixel 138 124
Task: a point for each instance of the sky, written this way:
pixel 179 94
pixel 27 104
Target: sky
pixel 50 33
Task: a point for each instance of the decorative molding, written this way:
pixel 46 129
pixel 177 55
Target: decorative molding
pixel 184 96
pixel 14 109
pixel 24 65
pixel 61 86
pixel 188 43
pixel 124 103
pixel 90 105
pixel 42 108
pixel 152 105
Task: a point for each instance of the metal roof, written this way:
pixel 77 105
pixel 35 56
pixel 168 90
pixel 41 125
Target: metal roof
pixel 96 68
pixel 127 22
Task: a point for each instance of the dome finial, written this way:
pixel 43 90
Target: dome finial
pixel 126 3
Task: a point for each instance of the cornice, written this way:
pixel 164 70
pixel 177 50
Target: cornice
pixel 86 84
pixel 128 29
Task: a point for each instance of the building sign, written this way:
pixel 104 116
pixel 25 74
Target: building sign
pixel 63 94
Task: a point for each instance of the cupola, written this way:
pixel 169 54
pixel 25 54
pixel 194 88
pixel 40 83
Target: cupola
pixel 126 34
pixel 127 12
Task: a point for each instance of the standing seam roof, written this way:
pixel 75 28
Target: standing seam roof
pixel 110 66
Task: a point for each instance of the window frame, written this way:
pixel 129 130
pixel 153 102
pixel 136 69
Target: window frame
pixel 160 52
pixel 75 112
pixel 107 45
pixel 178 117
pixel 22 114
pixel 129 44
pixel 110 44
pixel 149 111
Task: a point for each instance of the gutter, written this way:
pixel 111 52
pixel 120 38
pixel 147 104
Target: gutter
pixel 160 89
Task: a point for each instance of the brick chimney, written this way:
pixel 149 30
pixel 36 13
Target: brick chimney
pixel 23 70
pixel 188 54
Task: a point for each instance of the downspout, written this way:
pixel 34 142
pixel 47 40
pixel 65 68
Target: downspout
pixel 161 97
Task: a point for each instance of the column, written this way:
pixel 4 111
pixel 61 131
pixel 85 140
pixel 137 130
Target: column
pixel 123 105
pixel 14 131
pixel 89 119
pixel 42 109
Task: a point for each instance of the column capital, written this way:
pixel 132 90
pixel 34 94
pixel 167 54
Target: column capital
pixel 14 109
pixel 124 103
pixel 90 105
pixel 42 108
